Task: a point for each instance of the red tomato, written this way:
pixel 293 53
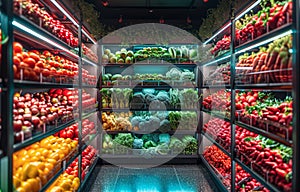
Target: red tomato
pixel 17 61
pixel 18 48
pixel 34 56
pixel 30 61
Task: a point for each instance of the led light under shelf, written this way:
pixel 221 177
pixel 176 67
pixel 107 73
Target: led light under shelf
pixel 265 41
pixel 216 61
pixel 216 34
pixel 41 37
pixel 247 10
pixel 71 19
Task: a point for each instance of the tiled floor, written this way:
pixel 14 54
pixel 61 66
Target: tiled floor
pixel 168 178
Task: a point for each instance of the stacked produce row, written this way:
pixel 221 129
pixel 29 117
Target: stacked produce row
pixel 116 98
pixel 151 55
pixel 258 109
pixel 153 121
pixel 173 77
pixel 37 13
pixel 43 66
pixel 149 145
pixel 38 112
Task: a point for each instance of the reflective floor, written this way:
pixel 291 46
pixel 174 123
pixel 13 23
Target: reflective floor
pixel 168 178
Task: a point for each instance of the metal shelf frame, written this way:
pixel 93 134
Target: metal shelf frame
pixel 292 88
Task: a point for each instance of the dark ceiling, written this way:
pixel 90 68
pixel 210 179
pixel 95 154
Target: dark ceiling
pixel 174 12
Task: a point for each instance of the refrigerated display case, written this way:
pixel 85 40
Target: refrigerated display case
pixel 50 97
pixel 150 98
pixel 249 96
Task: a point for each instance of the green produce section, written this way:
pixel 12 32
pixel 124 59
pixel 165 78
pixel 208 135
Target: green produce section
pixel 149 145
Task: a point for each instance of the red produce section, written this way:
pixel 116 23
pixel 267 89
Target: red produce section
pixel 221 163
pixel 38 14
pixel 270 17
pixel 39 112
pixel 43 66
pixel 272 64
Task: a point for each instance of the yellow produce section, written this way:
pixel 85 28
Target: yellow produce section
pixel 65 182
pixel 34 165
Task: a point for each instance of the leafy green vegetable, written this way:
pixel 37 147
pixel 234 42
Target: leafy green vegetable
pixel 164 138
pixel 138 143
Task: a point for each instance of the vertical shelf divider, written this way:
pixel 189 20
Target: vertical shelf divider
pixel 296 96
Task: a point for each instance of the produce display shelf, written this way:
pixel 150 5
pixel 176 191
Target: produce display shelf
pixel 64 166
pixel 257 176
pixel 22 24
pixel 216 143
pixel 150 64
pixel 151 86
pixel 225 86
pixel 266 86
pixel 88 61
pixel 145 109
pixel 41 136
pixel 218 60
pixel 215 114
pixel 87 176
pixel 33 84
pixel 109 156
pixel 85 144
pixel 219 183
pixel 265 133
pixel 179 132
pixel 265 38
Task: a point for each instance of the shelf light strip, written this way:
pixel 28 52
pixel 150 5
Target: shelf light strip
pixel 265 41
pixel 30 31
pixel 247 10
pixel 71 19
pixel 216 34
pixel 212 62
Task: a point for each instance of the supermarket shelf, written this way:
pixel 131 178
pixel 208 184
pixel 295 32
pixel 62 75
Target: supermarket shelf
pixel 257 176
pixel 22 24
pixel 33 84
pixel 145 109
pixel 215 114
pixel 87 176
pixel 110 156
pixel 266 86
pixel 265 133
pixel 150 64
pixel 220 185
pixel 39 137
pixel 225 86
pixel 218 60
pixel 179 132
pixel 88 61
pixel 50 182
pixel 157 87
pixel 265 38
pixel 216 143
